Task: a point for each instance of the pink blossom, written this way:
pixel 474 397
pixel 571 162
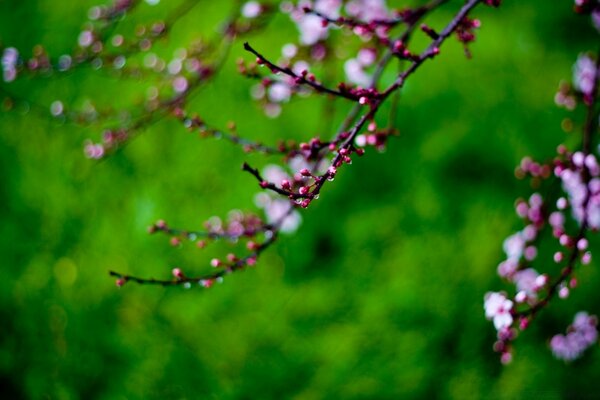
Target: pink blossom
pixel 526 280
pixel 180 84
pixel 581 335
pixel 10 57
pixel 311 29
pixel 86 38
pixel 274 173
pixel 514 245
pixel 367 10
pixel 498 307
pixel 584 73
pixel 93 150
pixel 507 268
pixel 356 74
pixel 279 92
pixel 578 192
pixel 311 26
pixel 277 209
pixel 251 9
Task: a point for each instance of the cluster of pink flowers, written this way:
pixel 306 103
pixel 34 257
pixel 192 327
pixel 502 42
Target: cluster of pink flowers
pixel 532 289
pixel 581 181
pixel 498 308
pixel 570 216
pixel 582 334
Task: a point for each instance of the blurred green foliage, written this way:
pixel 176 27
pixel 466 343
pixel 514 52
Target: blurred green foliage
pixel 379 294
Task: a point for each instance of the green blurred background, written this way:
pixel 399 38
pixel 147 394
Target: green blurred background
pixel 379 294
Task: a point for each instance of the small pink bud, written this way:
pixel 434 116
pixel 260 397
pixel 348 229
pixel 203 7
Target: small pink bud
pixel 305 203
pixel 264 184
pixel 363 100
pixel 285 185
pixel 303 190
pixel 586 258
pixel 563 292
pixel 523 323
pixel 251 245
pixel 578 158
pixel 120 282
pixel 530 253
pixel 175 241
pixel 499 346
pixel 564 240
pixel 541 281
pixel 207 283
pixel 506 358
pixel 561 149
pixel 231 257
pixel 215 262
pixel 305 172
pixel 251 261
pixel 573 283
pixel 161 224
pixel 177 273
pixel 201 244
pixel 522 209
pixel 582 244
pixel 558 257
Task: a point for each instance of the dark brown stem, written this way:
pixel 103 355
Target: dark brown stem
pixel 224 270
pixel 353 23
pixel 298 79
